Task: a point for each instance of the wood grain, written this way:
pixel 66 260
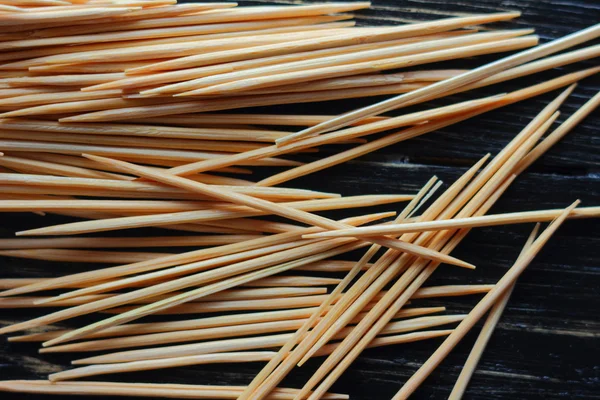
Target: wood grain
pixel 547 343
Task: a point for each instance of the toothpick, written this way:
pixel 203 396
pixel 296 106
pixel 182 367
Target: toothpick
pixel 350 296
pixel 59 15
pixel 242 14
pixel 485 304
pixel 512 97
pixel 458 81
pixel 286 48
pixel 414 118
pixel 135 152
pixel 382 60
pixel 114 110
pixel 44 167
pixel 486 332
pixel 323 250
pixel 188 257
pixel 228 72
pixel 133 142
pixel 124 242
pixel 189 78
pixel 139 130
pixel 263 205
pixel 201 216
pixel 158 51
pixel 89 256
pixel 201 32
pixel 489 185
pixel 406 326
pixel 509 98
pixel 285 350
pixel 459 223
pixel 137 389
pixel 244 343
pixel 53 97
pixel 558 134
pixel 228 295
pixel 233 357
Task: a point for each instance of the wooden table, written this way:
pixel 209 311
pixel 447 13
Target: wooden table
pixel 546 345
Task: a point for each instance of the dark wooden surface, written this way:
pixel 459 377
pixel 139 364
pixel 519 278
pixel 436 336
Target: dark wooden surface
pixel 547 343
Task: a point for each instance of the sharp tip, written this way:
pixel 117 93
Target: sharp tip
pixel 468 265
pixel 70 119
pixel 52 342
pixel 46 301
pixel 31 232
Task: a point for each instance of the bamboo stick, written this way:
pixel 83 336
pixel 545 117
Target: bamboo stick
pixel 414 118
pixel 36 3
pixel 512 97
pixel 224 296
pixel 406 325
pixel 220 345
pixel 492 181
pixel 194 360
pixel 558 134
pixel 44 167
pixel 63 80
pixel 341 83
pixel 132 152
pixel 384 262
pixel 255 119
pixel 303 330
pixel 123 242
pixel 263 205
pixel 188 77
pixel 276 281
pixel 393 57
pixel 207 322
pixel 79 161
pixel 485 304
pixel 50 38
pixel 176 49
pixel 188 257
pixel 286 48
pixel 509 98
pixel 229 134
pixel 87 256
pixel 289 259
pixel 178 106
pixel 154 12
pixel 134 142
pixel 201 32
pixel 118 185
pixel 459 223
pixel 226 104
pixel 485 334
pixel 323 251
pixel 19 19
pixel 137 389
pixel 241 14
pixel 232 357
pixel 456 82
pixel 201 216
pixel 14 92
pixel 296 281
pixel 37 99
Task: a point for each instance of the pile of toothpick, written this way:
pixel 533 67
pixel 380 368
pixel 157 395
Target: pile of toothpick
pixel 120 114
